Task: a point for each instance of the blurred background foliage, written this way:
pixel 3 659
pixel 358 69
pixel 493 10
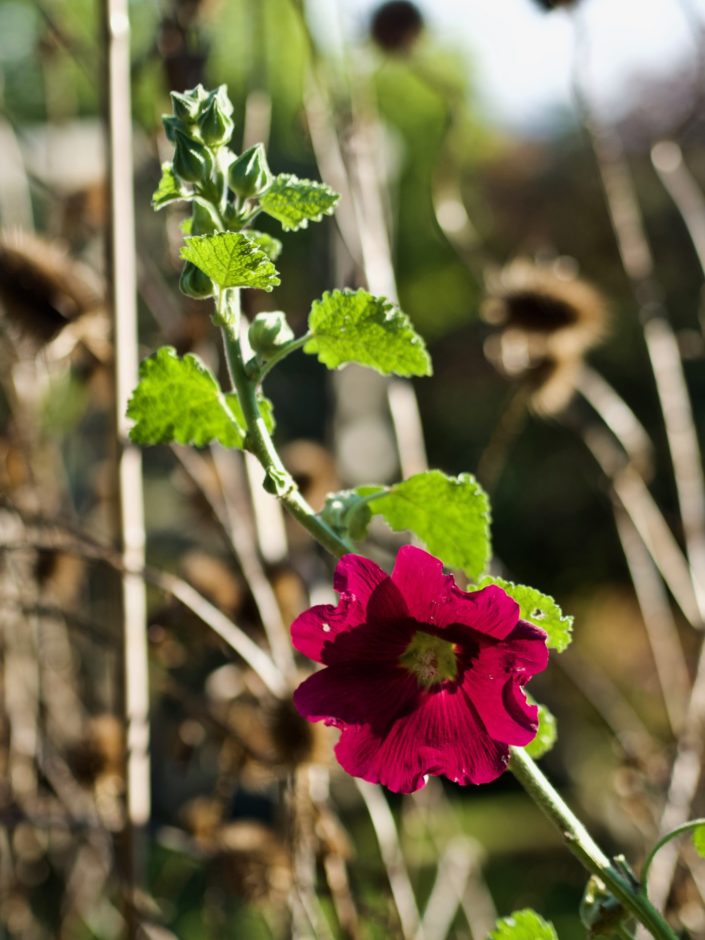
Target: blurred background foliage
pixel 464 195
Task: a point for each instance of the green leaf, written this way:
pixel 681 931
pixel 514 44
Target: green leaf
pixel 451 515
pixel 168 190
pixel 546 735
pixel 539 609
pixel 271 246
pixel 231 259
pixel 180 401
pixel 354 326
pixel 699 840
pixel 523 925
pixel 295 202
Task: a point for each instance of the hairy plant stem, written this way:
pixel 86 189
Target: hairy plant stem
pixel 584 847
pixel 258 440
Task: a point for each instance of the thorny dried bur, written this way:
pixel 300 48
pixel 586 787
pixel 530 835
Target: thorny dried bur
pixel 547 319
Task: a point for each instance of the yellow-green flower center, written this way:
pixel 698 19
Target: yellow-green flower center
pixel 430 659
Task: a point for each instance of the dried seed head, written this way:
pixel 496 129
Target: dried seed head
pixel 100 753
pixel 547 319
pixel 549 5
pixel 396 25
pixel 42 290
pixel 253 862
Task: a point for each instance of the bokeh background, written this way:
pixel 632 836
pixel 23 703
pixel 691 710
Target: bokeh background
pixel 472 136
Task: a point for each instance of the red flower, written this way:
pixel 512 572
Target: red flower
pixel 422 677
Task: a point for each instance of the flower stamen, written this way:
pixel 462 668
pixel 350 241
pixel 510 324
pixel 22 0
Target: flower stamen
pixel 430 659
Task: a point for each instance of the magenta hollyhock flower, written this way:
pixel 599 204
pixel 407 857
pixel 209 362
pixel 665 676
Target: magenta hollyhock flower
pixel 421 677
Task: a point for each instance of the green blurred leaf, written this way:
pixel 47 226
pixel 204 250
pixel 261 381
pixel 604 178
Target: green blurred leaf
pixel 546 736
pixel 295 202
pixel 699 840
pixel 354 326
pixel 451 515
pixel 179 400
pixel 231 259
pixel 168 190
pixel 271 246
pixel 539 609
pixel 523 925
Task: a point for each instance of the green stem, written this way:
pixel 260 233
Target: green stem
pixel 584 847
pixel 258 439
pixel 679 830
pixel 282 353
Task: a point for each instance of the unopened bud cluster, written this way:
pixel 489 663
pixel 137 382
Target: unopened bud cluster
pixel 222 184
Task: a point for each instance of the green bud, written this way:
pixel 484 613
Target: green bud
pixel 204 220
pixel 192 161
pixel 188 105
pixel 171 125
pixel 269 332
pixel 215 125
pixel 194 283
pixel 346 512
pixel 600 912
pixel 250 175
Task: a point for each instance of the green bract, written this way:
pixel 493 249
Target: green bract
pixel 295 202
pixel 539 609
pixel 546 736
pixel 523 925
pixel 249 176
pixel 168 190
pixel 451 515
pixel 699 840
pixel 355 326
pixel 179 401
pixel 231 259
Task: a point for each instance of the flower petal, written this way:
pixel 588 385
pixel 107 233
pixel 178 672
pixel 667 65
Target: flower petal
pixel 493 683
pixel 355 694
pixel 434 598
pixel 361 584
pixel 442 736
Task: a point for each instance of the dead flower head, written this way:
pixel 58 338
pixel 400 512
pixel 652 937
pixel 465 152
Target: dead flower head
pixel 547 318
pixel 396 25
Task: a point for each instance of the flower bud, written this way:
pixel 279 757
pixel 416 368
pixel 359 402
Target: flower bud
pixel 250 175
pixel 192 161
pixel 188 105
pixel 215 124
pixel 204 220
pixel 194 283
pixel 269 332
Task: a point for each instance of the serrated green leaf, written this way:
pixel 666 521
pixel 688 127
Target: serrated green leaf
pixel 699 840
pixel 295 202
pixel 355 326
pixel 271 246
pixel 539 609
pixel 546 735
pixel 168 190
pixel 523 925
pixel 451 515
pixel 231 259
pixel 179 401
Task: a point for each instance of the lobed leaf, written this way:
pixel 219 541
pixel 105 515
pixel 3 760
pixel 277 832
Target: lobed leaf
pixel 451 515
pixel 231 259
pixel 355 326
pixel 539 609
pixel 169 190
pixel 180 401
pixel 271 246
pixel 546 736
pixel 295 202
pixel 523 925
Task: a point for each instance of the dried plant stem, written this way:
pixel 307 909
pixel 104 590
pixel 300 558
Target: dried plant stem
pixel 661 630
pixel 131 533
pixel 393 858
pixel 681 186
pixel 616 414
pixel 455 870
pixel 176 587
